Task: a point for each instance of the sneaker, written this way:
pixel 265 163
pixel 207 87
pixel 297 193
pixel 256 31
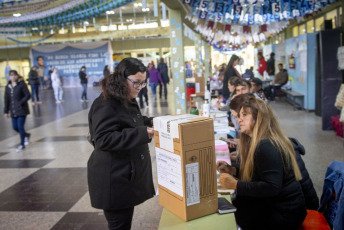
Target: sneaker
pixel 82 100
pixel 20 148
pixel 33 103
pixel 27 139
pixel 58 102
pixel 39 102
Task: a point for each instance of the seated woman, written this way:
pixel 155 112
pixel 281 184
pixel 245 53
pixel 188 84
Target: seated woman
pixel 269 194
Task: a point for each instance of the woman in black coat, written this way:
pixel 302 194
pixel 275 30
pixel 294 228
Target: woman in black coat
pixel 230 71
pixel 16 97
pixel 269 195
pixel 120 169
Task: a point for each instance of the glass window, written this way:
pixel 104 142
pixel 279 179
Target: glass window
pixel 302 29
pixel 319 23
pixel 332 15
pixel 295 31
pixel 310 26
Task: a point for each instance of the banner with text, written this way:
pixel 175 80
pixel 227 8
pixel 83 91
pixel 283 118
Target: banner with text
pixel 69 59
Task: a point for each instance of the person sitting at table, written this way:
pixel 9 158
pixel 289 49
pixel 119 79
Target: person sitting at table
pixel 269 194
pixel 231 87
pixel 257 88
pixel 280 79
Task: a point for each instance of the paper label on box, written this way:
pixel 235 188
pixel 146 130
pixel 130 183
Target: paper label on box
pixel 167 126
pixel 192 184
pixel 169 170
pixel 197 87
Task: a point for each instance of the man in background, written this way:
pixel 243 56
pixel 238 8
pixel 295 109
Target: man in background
pixel 271 66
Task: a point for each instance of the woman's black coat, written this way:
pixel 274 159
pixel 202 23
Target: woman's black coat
pixel 119 169
pixel 33 78
pixel 230 73
pixel 82 76
pixel 16 102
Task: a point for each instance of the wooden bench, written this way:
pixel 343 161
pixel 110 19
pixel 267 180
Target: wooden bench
pixel 294 95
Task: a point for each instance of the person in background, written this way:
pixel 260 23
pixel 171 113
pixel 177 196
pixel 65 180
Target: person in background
pixel 163 70
pixel 256 88
pixel 34 82
pixel 83 81
pixel 49 81
pixel 281 78
pixel 262 65
pixel 144 92
pixel 248 73
pixel 271 66
pixel 16 106
pixel 269 195
pixel 230 71
pixel 231 87
pixel 106 70
pixel 120 168
pixel 40 71
pixel 154 78
pixel 57 86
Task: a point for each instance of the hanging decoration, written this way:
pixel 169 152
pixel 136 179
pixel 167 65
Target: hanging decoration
pixel 30 42
pixel 228 23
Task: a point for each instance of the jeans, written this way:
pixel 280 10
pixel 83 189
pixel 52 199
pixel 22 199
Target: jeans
pixel 153 87
pixel 42 82
pixel 18 125
pixel 34 91
pixel 84 92
pixel 119 219
pixel 58 92
pixel 143 93
pixel 165 89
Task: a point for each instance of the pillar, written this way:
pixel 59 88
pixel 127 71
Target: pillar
pixel 198 50
pixel 207 58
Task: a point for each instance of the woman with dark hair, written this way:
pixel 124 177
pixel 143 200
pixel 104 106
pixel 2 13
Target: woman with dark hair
pixel 230 71
pixel 16 97
pixel 83 81
pixel 106 70
pixel 269 195
pixel 120 169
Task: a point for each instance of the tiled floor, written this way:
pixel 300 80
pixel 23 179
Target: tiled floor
pixel 45 186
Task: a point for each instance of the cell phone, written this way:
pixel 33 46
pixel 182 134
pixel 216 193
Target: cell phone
pixel 225 206
pixel 228 141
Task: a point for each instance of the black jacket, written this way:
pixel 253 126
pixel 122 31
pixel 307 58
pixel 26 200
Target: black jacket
pixel 82 76
pixel 119 169
pixel 273 199
pixel 270 66
pixel 16 99
pixel 230 73
pixel 312 200
pixel 163 70
pixel 33 78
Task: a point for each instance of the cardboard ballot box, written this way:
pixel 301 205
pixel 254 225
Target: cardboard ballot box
pixel 186 166
pixel 199 85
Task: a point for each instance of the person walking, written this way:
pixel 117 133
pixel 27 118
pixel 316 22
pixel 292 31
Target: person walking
pixel 119 169
pixel 57 86
pixel 262 65
pixel 163 70
pixel 271 66
pixel 154 78
pixel 144 92
pixel 83 81
pixel 16 106
pixel 34 82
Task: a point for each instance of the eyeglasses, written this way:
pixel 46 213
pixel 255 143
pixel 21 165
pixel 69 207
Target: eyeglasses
pixel 137 84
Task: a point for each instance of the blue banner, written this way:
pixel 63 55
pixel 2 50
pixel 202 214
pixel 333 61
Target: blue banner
pixel 70 58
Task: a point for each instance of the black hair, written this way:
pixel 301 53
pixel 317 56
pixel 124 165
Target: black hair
pixel 243 82
pixel 39 57
pixel 280 64
pixel 231 62
pixel 115 85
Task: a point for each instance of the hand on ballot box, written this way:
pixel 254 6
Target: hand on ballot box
pixel 228 181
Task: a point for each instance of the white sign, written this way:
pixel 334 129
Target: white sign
pixel 192 184
pixel 169 170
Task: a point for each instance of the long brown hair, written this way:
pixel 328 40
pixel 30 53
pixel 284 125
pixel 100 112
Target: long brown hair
pixel 266 127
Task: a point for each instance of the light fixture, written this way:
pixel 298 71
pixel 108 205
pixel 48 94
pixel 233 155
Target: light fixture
pixel 143 26
pixel 122 27
pixel 73 29
pixel 41 33
pixel 34 28
pixel 17 14
pixel 129 20
pixel 165 23
pixel 136 4
pixel 86 23
pixel 51 31
pixel 110 12
pixel 145 9
pixel 277 42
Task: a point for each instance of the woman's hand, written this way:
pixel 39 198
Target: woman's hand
pixel 233 145
pixel 6 115
pixel 222 167
pixel 150 132
pixel 227 181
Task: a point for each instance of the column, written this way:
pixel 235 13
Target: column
pixel 198 50
pixel 207 58
pixel 177 61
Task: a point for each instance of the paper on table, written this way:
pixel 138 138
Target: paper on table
pixel 223 130
pixel 219 142
pixel 169 171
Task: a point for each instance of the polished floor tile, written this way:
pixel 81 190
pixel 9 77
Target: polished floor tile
pixel 82 221
pixel 79 125
pixel 64 138
pixel 23 163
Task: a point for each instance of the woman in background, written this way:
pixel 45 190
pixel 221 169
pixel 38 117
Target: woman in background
pixel 83 81
pixel 57 86
pixel 230 71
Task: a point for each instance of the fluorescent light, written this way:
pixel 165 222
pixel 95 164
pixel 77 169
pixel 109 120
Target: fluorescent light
pixel 34 28
pixel 17 14
pixel 136 4
pixel 129 20
pixel 41 33
pixel 143 26
pixel 104 28
pixel 112 27
pixel 110 12
pixel 86 23
pixel 51 31
pixel 165 23
pixel 122 27
pixel 73 29
pixel 145 9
